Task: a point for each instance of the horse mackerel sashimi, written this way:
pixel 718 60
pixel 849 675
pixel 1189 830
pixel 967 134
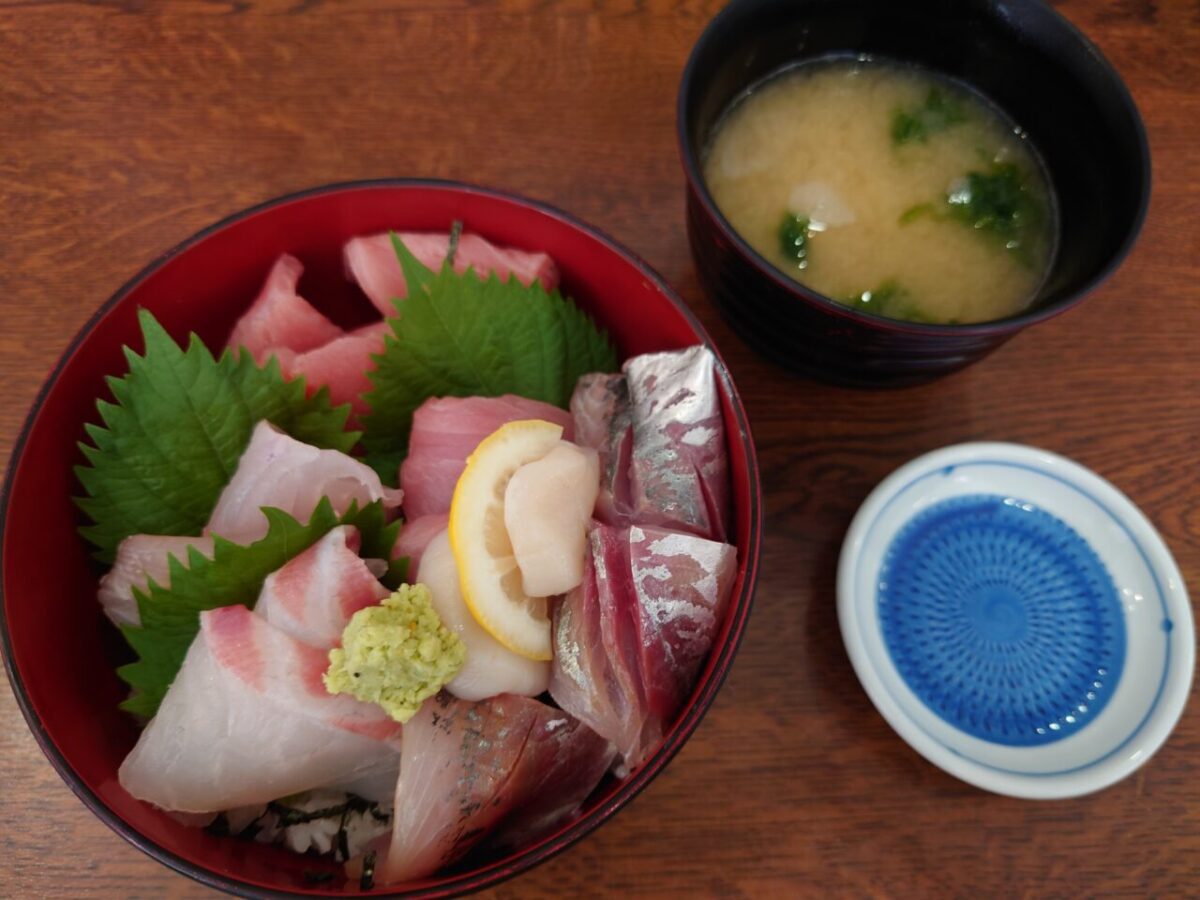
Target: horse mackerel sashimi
pixel 469 769
pixel 629 641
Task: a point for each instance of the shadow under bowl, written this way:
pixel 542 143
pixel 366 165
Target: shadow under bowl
pixel 60 652
pixel 1020 54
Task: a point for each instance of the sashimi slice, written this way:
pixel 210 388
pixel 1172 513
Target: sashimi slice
pixel 371 261
pixel 679 471
pixel 682 584
pixel 415 537
pixel 280 317
pixel 603 421
pixel 341 365
pixel 660 434
pixel 280 471
pixel 490 667
pixel 316 592
pixel 248 720
pixel 469 767
pixel 629 642
pixel 142 558
pixel 581 679
pixel 446 430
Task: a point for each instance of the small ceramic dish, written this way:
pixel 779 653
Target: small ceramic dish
pixel 1016 619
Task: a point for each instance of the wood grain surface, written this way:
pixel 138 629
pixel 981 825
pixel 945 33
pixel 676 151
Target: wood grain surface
pixel 126 125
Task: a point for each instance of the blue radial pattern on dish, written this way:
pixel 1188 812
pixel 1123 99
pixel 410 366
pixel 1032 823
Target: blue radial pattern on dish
pixel 1001 619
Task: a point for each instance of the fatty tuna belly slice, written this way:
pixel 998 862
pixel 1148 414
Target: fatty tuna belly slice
pixel 446 430
pixel 629 642
pixel 468 768
pixel 371 262
pixel 248 720
pixel 280 317
pixel 142 558
pixel 315 593
pixel 278 470
pixel 342 365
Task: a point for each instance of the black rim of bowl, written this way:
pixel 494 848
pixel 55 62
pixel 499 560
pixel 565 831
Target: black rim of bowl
pixel 695 177
pixel 511 866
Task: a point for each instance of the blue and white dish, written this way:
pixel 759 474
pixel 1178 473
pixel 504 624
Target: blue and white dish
pixel 1016 619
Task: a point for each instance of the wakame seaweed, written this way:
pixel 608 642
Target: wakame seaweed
pixel 794 232
pixel 937 113
pixel 890 299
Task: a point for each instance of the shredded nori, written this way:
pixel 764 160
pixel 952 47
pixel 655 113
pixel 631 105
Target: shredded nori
pixel 367 881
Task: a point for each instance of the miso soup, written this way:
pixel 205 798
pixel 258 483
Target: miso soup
pixel 888 189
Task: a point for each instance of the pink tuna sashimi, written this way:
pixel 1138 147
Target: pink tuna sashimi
pixel 467 768
pixel 415 537
pixel 248 720
pixel 371 261
pixel 280 317
pixel 314 595
pixel 446 430
pixel 142 558
pixel 341 365
pixel 280 471
pixel 629 642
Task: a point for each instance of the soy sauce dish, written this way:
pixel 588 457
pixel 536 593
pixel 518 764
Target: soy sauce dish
pixel 882 193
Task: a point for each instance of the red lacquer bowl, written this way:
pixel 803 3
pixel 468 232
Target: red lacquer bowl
pixel 59 650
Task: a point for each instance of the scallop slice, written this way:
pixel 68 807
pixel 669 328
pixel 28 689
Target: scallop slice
pixel 547 507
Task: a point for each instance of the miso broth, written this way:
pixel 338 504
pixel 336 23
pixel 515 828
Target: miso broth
pixel 888 189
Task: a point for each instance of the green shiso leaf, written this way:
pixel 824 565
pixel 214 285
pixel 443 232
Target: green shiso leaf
pixel 462 336
pixel 172 439
pixel 170 617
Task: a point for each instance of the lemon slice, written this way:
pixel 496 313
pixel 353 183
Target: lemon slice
pixel 487 569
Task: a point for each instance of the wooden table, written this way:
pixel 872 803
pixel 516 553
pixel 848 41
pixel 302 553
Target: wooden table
pixel 126 125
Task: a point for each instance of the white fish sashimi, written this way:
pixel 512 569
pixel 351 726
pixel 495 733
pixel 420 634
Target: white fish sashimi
pixel 278 470
pixel 142 558
pixel 490 667
pixel 248 720
pixel 547 507
pixel 314 595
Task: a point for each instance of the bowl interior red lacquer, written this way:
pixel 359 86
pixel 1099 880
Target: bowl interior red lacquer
pixel 59 650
